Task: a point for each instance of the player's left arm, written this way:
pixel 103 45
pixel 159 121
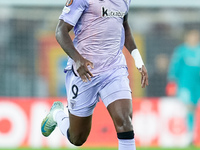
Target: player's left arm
pixel 132 48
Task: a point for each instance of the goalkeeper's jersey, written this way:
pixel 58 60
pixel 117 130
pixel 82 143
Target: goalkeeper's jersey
pixel 99 32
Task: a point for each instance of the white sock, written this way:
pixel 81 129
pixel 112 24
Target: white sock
pixel 126 144
pixel 62 121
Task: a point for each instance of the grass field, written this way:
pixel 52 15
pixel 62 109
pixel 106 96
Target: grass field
pixel 104 148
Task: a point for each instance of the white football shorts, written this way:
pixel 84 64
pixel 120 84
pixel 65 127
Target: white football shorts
pixel 109 86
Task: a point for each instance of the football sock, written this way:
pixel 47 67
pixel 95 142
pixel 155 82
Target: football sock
pixel 62 121
pixel 126 144
pixel 126 141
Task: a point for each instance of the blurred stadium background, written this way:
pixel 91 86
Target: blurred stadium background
pixel 31 74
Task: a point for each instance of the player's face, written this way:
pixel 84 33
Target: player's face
pixel 192 38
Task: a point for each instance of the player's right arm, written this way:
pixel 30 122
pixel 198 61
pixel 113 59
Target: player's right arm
pixel 71 13
pixel 63 38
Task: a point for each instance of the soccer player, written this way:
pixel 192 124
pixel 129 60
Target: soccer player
pixel 96 69
pixel 184 72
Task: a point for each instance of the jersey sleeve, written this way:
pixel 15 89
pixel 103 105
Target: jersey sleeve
pixel 73 10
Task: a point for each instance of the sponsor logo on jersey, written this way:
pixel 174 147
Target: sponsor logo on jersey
pixel 69 2
pixel 109 13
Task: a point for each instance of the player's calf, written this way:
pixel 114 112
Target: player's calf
pixel 78 139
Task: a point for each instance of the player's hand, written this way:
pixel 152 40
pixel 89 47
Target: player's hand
pixel 82 69
pixel 144 78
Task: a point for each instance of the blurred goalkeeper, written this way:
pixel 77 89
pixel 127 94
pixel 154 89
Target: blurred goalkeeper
pixel 184 74
pixel 96 69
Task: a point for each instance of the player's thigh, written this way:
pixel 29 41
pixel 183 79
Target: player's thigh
pixel 116 95
pixel 81 96
pixel 115 86
pixel 121 114
pixel 79 126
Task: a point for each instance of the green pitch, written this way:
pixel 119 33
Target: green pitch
pixel 104 148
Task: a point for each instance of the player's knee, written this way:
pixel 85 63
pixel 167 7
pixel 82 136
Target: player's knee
pixel 124 124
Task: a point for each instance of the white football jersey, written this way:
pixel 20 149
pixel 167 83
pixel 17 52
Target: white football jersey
pixel 99 32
